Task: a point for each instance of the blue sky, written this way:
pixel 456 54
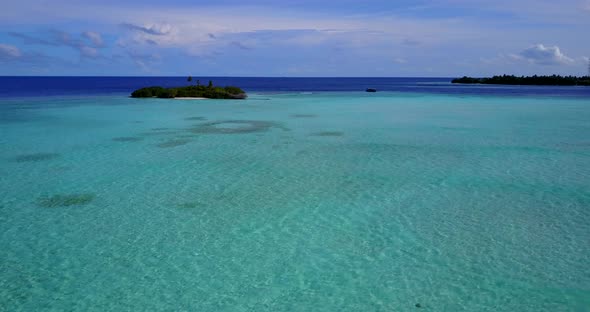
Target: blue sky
pixel 294 38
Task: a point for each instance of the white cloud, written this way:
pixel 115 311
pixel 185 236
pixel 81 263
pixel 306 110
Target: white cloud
pixel 209 30
pixel 94 37
pixel 214 32
pixel 544 55
pixel 61 38
pixel 181 28
pixel 8 52
pixel 12 54
pixel 151 29
pixel 400 60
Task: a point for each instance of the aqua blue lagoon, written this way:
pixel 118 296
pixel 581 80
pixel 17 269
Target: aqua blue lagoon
pixel 403 200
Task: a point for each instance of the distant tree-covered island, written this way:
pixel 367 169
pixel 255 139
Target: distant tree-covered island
pixel 192 91
pixel 554 80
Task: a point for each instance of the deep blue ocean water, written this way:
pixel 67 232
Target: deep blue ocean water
pixel 44 86
pixel 311 195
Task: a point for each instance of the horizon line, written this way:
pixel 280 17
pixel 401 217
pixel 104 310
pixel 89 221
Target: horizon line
pixel 185 76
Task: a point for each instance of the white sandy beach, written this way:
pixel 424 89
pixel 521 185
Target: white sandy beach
pixel 190 98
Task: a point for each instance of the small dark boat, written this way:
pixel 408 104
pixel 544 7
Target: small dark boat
pixel 371 90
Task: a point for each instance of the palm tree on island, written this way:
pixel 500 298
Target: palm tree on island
pixel 191 91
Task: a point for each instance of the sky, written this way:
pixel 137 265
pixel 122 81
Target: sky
pixel 308 38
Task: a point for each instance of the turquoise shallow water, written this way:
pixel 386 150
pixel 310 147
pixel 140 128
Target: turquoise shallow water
pixel 295 202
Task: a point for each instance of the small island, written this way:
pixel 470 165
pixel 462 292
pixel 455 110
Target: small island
pixel 554 80
pixel 192 91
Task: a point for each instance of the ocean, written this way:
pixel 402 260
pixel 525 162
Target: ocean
pixel 311 195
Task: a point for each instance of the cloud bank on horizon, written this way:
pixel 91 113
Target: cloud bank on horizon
pixel 295 38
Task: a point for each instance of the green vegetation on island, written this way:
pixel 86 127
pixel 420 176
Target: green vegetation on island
pixel 198 91
pixel 554 80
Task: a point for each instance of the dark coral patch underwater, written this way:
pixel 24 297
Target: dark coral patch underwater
pixel 156 133
pixel 35 157
pixel 65 200
pixel 199 118
pixel 190 205
pixel 127 139
pixel 235 127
